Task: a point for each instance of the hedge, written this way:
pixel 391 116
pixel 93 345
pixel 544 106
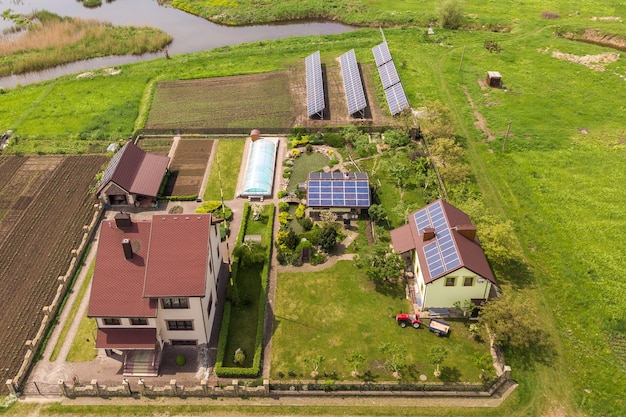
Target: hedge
pixel 192 197
pixel 254 371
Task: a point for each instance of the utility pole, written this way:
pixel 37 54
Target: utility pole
pixel 506 136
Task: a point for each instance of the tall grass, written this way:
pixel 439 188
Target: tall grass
pixel 54 41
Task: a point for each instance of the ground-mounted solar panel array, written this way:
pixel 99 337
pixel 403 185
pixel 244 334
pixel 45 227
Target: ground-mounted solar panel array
pixel 314 85
pixel 355 96
pixel 441 255
pixel 396 98
pixel 335 189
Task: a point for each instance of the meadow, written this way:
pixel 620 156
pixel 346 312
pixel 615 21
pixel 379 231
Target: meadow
pixel 559 177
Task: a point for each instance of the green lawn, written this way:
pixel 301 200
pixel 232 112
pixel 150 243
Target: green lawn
pixel 305 163
pixel 226 172
pixel 84 344
pixel 337 311
pixel 259 227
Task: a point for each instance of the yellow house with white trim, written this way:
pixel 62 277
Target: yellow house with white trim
pixel 439 242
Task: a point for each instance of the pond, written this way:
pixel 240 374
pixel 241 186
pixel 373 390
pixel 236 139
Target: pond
pixel 190 33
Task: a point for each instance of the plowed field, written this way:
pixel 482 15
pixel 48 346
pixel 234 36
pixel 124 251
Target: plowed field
pixel 188 166
pixel 44 203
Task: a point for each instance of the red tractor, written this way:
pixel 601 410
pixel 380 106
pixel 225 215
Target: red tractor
pixel 404 320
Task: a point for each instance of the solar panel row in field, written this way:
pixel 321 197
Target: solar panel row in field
pixel 314 85
pixel 396 98
pixel 355 96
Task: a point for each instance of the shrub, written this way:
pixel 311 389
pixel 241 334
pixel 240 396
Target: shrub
pixel 335 140
pixel 180 360
pixel 288 163
pixel 395 138
pixel 333 162
pixel 283 206
pixel 309 148
pixel 283 193
pixel 215 208
pixel 450 14
pixel 306 223
pixel 295 153
pixel 286 174
pixel 300 211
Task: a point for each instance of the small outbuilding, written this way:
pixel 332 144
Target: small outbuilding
pixel 494 79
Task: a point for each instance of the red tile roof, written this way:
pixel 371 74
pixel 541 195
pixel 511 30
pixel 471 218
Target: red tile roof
pixel 170 259
pixel 110 338
pixel 470 253
pixel 136 171
pixel 117 284
pixel 178 256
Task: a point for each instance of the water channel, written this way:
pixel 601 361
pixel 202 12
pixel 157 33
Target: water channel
pixel 190 33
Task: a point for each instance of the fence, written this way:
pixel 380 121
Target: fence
pixel 51 310
pixel 280 389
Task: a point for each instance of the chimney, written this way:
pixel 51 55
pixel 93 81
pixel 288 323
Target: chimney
pixel 128 249
pixel 122 220
pixel 467 230
pixel 428 233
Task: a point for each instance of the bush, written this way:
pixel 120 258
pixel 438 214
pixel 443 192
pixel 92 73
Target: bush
pixel 335 140
pixel 309 148
pixel 286 174
pixel 283 206
pixel 450 14
pixel 283 193
pixel 300 211
pixel 333 162
pixel 180 360
pixel 216 209
pixel 395 138
pixel 306 223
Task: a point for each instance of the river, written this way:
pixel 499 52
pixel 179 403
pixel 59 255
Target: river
pixel 190 33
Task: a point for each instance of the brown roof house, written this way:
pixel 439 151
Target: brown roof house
pixel 440 243
pixel 133 177
pixel 154 286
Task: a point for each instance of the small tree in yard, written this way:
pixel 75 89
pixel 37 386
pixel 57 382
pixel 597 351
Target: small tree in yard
pixel 328 238
pixel 315 363
pixel 257 209
pixel 380 264
pixel 377 213
pixel 512 322
pixel 436 356
pixel 396 357
pixel 250 253
pixel 356 359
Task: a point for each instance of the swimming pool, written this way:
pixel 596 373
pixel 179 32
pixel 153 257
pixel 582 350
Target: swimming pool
pixel 259 176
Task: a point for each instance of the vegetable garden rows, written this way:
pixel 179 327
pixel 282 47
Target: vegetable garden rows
pixel 48 215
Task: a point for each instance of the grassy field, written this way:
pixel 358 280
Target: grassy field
pixel 305 163
pixel 337 311
pixel 229 153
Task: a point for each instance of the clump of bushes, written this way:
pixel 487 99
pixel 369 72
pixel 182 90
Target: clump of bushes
pixel 180 360
pixel 215 208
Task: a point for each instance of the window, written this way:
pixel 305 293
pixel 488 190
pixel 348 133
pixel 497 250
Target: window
pixel 210 306
pixel 450 281
pixel 468 281
pixel 184 342
pixel 138 321
pixel 171 303
pixel 179 325
pixel 111 321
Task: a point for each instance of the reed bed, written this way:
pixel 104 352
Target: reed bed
pixel 50 42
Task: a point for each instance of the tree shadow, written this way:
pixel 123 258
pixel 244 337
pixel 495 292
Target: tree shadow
pixel 542 352
pixel 368 376
pixel 449 374
pixel 517 274
pixel 390 289
pixel 412 373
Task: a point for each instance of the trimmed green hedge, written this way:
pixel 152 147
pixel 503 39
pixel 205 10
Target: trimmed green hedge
pixel 254 371
pixel 179 197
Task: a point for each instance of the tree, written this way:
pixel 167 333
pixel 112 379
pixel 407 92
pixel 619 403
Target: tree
pixel 396 357
pixel 250 253
pixel 328 216
pixel 356 359
pixel 315 363
pixel 436 356
pixel 284 218
pixel 377 213
pixel 380 264
pixel 450 14
pixel 328 238
pixel 437 121
pixel 512 322
pixel 446 151
pixel 400 173
pixel 257 209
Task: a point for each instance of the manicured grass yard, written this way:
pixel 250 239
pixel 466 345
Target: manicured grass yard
pixel 305 163
pixel 337 311
pixel 84 345
pixel 229 154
